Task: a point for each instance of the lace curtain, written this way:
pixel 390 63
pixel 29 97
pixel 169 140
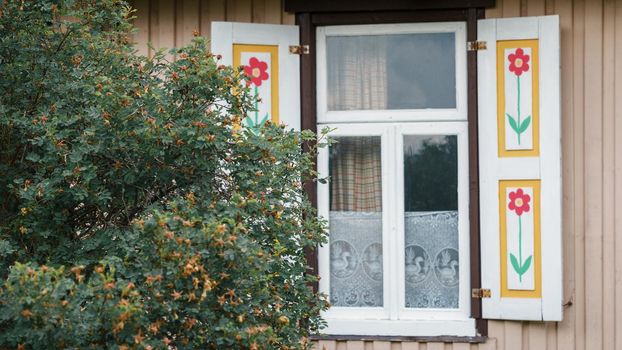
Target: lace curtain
pixel 356 259
pixel 431 259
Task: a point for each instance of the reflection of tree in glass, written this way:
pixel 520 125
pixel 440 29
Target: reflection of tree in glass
pixel 431 173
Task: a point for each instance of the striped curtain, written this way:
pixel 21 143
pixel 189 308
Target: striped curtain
pixel 357 72
pixel 356 174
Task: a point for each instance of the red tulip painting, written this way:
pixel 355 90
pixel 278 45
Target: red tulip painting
pixel 519 64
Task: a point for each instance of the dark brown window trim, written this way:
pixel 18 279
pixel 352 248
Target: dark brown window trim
pixel 476 281
pixel 297 6
pixel 340 18
pixel 308 22
pixel 308 113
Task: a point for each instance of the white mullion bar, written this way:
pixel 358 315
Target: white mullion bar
pixel 393 247
pixel 464 251
pixel 323 211
pixel 385 156
pixel 400 213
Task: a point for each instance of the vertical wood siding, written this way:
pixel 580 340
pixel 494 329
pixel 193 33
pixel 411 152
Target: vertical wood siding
pixel 171 23
pixel 591 89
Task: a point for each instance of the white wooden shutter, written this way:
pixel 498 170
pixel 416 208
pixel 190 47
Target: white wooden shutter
pixel 242 44
pixel 520 168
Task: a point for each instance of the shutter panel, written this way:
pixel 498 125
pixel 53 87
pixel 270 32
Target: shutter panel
pixel 264 47
pixel 520 168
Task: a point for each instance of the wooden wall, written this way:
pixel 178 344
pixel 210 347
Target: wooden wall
pixel 591 79
pixel 171 23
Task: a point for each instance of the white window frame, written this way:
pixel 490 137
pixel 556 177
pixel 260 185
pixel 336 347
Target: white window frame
pixel 393 318
pixel 427 114
pixel 460 129
pixel 323 210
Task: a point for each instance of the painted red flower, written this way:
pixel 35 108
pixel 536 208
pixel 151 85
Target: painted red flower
pixel 257 71
pixel 519 62
pixel 519 202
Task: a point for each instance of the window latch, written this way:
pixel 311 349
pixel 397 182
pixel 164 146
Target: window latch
pixel 479 293
pixel 476 45
pixel 299 49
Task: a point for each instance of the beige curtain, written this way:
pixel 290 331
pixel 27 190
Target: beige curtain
pixel 357 80
pixel 357 73
pixel 356 174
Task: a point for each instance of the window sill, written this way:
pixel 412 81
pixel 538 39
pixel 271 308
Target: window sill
pixel 420 339
pixel 462 330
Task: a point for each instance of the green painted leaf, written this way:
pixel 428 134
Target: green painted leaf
pixel 249 122
pixel 251 125
pixel 524 124
pixel 512 123
pixel 526 265
pixel 515 264
pixel 264 119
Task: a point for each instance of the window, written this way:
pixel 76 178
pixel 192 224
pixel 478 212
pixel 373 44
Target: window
pixel 397 262
pixel 397 96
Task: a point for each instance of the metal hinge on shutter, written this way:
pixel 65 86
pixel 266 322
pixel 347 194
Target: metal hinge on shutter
pixel 476 45
pixel 299 49
pixel 479 293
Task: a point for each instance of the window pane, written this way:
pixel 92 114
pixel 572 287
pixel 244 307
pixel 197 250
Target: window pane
pixel 356 271
pixel 431 221
pixel 397 71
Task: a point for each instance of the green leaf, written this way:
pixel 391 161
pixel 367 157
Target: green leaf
pixel 33 157
pixel 512 123
pixel 5 248
pixel 515 264
pixel 524 124
pixel 526 265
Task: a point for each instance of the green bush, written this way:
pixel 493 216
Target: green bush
pixel 136 212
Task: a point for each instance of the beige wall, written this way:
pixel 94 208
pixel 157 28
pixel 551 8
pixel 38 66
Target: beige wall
pixel 171 23
pixel 591 79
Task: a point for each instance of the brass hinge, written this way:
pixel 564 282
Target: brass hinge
pixel 299 49
pixel 480 293
pixel 476 45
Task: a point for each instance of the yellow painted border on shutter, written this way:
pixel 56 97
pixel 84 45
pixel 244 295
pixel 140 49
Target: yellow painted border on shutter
pixel 273 50
pixel 502 45
pixel 537 241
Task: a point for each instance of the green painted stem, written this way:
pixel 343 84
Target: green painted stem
pixel 518 107
pixel 257 108
pixel 520 246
